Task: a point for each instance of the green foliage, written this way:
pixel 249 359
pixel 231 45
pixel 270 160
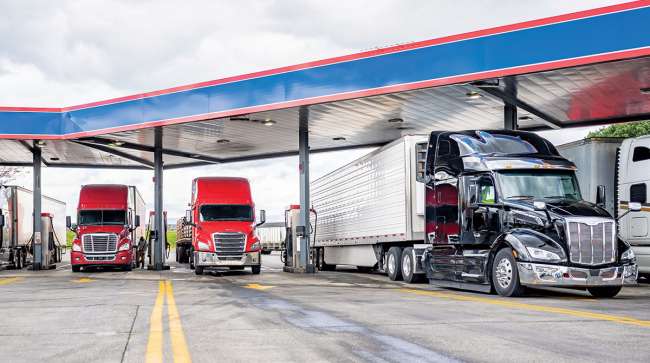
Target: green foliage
pixel 633 129
pixel 171 238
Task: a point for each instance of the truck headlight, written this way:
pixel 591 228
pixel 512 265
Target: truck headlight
pixel 125 247
pixel 203 246
pixel 628 256
pixel 76 247
pixel 255 246
pixel 543 255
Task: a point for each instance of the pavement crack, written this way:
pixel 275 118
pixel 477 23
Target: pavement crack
pixel 128 338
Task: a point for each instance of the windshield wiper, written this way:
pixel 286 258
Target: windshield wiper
pixel 521 197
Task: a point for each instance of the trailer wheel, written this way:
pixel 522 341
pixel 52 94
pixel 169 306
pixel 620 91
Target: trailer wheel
pixel 18 260
pixel 256 269
pixel 408 266
pixel 76 268
pixel 191 259
pixel 604 291
pixel 394 264
pixel 505 276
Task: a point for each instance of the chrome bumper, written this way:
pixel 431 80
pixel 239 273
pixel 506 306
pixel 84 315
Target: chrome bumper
pixel 536 274
pixel 212 259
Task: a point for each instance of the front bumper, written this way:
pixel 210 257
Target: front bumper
pixel 96 259
pixel 537 274
pixel 211 259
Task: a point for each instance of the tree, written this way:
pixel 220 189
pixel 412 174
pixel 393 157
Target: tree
pixel 632 129
pixel 9 174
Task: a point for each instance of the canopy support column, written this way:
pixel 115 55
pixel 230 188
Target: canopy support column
pixel 37 159
pixel 303 156
pixel 510 107
pixel 159 242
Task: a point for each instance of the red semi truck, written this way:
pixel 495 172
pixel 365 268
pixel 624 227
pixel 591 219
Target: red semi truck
pixel 108 226
pixel 222 220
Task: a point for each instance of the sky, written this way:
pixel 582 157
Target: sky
pixel 60 53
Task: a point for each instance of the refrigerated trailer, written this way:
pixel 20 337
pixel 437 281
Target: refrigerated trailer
pixel 271 236
pixel 17 210
pixel 614 172
pixel 371 205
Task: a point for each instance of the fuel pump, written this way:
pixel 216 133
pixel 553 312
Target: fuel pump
pixel 294 234
pixel 52 253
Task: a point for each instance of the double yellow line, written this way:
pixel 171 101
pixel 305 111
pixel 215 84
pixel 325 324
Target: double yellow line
pixel 180 351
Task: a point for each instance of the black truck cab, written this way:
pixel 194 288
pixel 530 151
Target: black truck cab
pixel 504 211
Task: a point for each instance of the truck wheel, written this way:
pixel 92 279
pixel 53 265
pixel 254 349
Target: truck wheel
pixel 505 276
pixel 76 268
pixel 256 269
pixel 394 264
pixel 128 267
pixel 604 291
pixel 408 266
pixel 198 270
pixel 179 255
pixel 191 259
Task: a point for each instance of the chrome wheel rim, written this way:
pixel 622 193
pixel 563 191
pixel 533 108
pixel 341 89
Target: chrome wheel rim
pixel 406 266
pixel 391 264
pixel 504 273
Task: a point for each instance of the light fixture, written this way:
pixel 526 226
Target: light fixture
pixel 473 95
pixel 40 143
pixel 239 118
pixel 195 155
pixel 223 141
pixel 645 91
pixel 54 158
pixel 338 138
pixel 395 120
pixel 268 122
pixel 525 118
pixel 118 143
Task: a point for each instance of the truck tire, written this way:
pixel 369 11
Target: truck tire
pixel 128 267
pixel 178 254
pixel 394 263
pixel 408 266
pixel 505 276
pixel 198 270
pixel 256 269
pixel 191 259
pixel 76 268
pixel 604 291
pixel 18 260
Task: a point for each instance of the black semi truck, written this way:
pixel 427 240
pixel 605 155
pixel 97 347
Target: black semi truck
pixel 503 211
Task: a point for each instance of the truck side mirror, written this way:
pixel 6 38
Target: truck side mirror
pixel 601 197
pixel 137 221
pixel 68 222
pixel 262 217
pixel 2 220
pixel 188 216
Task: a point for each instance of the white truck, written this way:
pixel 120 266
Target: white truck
pixel 370 205
pixel 271 236
pixel 16 209
pixel 615 172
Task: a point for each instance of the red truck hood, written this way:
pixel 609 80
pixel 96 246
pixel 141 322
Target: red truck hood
pixel 120 230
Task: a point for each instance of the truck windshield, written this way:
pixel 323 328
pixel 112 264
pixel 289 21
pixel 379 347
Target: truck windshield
pixel 223 212
pixel 102 217
pixel 539 185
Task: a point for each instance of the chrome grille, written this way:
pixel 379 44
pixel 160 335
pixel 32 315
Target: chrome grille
pixel 591 242
pixel 100 242
pixel 229 245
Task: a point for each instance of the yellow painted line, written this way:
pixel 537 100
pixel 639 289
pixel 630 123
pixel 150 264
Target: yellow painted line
pixel 83 280
pixel 532 307
pixel 179 345
pixel 9 280
pixel 258 287
pixel 154 345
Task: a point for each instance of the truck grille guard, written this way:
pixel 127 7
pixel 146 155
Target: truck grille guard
pixel 591 241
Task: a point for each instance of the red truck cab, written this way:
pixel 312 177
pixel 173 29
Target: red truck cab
pixel 222 217
pixel 108 226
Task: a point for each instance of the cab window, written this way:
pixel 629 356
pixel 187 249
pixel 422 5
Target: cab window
pixel 486 192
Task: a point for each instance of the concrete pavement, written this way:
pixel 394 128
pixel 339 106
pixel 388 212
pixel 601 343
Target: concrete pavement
pixel 340 316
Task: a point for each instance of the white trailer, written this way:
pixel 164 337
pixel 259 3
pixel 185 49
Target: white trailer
pixel 16 206
pixel 271 236
pixel 622 167
pixel 370 205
